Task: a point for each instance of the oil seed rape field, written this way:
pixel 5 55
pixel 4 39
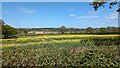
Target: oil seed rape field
pixel 62 51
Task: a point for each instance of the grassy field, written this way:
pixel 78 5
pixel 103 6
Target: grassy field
pixel 62 50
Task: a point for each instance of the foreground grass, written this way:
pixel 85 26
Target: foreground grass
pixel 83 56
pixel 62 50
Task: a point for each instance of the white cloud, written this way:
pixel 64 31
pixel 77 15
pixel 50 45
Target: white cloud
pixel 112 16
pixel 26 10
pixel 72 15
pixel 82 17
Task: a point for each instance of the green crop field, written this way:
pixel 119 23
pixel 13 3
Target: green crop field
pixel 62 51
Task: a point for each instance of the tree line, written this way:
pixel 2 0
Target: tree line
pixel 9 32
pixel 64 30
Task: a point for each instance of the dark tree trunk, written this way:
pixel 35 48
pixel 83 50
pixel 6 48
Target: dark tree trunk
pixel 5 36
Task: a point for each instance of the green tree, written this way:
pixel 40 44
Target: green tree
pixel 25 32
pixel 102 30
pixel 7 30
pixel 100 3
pixel 89 30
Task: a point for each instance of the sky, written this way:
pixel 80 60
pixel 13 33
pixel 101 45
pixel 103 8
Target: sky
pixel 56 14
pixel 46 0
pixel 53 0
